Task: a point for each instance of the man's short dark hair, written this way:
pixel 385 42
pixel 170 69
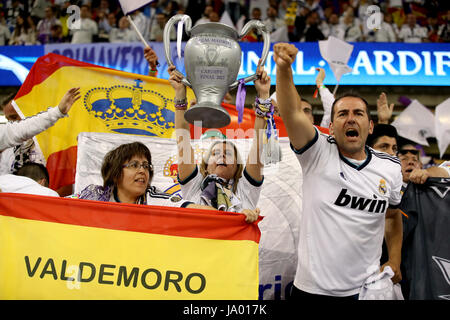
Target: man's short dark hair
pixel 351 95
pixel 381 130
pixel 8 98
pixel 35 171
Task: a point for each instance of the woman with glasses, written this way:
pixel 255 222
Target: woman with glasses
pixel 127 172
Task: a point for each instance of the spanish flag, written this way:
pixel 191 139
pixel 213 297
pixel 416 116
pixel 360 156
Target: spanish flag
pixel 102 250
pixel 112 101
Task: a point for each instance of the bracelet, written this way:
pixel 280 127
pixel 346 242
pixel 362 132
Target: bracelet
pixel 259 113
pixel 181 106
pixel 180 101
pixel 152 71
pixel 267 101
pixel 264 110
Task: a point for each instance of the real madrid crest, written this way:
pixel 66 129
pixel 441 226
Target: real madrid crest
pixel 382 186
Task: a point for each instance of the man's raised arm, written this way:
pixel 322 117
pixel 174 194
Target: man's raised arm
pixel 299 128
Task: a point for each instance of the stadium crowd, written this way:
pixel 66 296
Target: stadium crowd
pixel 348 214
pixel 28 22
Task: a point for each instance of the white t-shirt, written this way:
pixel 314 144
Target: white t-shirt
pixel 343 217
pixel 412 35
pixel 247 192
pixel 88 29
pixel 14 133
pixel 19 184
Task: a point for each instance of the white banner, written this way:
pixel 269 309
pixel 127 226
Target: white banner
pixel 132 5
pixel 280 200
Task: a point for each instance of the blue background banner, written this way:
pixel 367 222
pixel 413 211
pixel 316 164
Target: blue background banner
pixel 401 64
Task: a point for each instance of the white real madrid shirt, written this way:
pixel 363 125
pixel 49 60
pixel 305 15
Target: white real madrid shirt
pixel 344 206
pixel 247 192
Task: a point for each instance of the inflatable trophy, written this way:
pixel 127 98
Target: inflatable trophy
pixel 212 58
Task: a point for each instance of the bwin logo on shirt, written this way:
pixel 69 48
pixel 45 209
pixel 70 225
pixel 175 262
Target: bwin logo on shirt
pixel 360 203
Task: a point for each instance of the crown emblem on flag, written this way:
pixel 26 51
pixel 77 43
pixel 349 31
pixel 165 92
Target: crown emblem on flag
pixel 131 109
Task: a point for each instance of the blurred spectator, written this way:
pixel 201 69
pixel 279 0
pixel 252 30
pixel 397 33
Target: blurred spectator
pixel 312 32
pixel 444 29
pixel 273 22
pixel 24 33
pixel 314 5
pixel 214 17
pixel 256 14
pixel 153 10
pixel 11 11
pixel 105 25
pixel 171 8
pixel 157 31
pixel 283 8
pixel 296 32
pixel 123 33
pixel 432 29
pixel 233 7
pixel 44 26
pixel 252 36
pixel 56 34
pixel 334 27
pixel 195 9
pixel 63 17
pixel 411 32
pixel 205 16
pixel 38 9
pixel 141 22
pixel 88 27
pixel 352 29
pixel 103 9
pixel 385 33
pixel 5 34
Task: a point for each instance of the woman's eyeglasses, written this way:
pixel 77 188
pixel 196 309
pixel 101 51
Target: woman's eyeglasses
pixel 136 165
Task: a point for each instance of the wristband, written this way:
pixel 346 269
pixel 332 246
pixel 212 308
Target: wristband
pixel 180 101
pixel 263 108
pixel 152 71
pixel 181 106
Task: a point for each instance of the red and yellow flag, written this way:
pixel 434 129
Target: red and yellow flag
pixel 61 248
pixel 111 101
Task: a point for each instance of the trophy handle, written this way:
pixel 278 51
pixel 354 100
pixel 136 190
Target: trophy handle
pixel 260 26
pixel 166 39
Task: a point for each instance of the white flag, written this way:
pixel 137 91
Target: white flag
pixel 415 123
pixel 337 53
pixel 279 35
pixel 132 5
pixel 442 125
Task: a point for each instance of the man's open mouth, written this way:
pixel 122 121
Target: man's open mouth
pixel 352 133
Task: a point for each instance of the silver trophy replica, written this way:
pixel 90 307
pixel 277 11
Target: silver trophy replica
pixel 212 58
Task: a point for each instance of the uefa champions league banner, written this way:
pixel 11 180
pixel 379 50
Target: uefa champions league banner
pixel 372 63
pixel 280 201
